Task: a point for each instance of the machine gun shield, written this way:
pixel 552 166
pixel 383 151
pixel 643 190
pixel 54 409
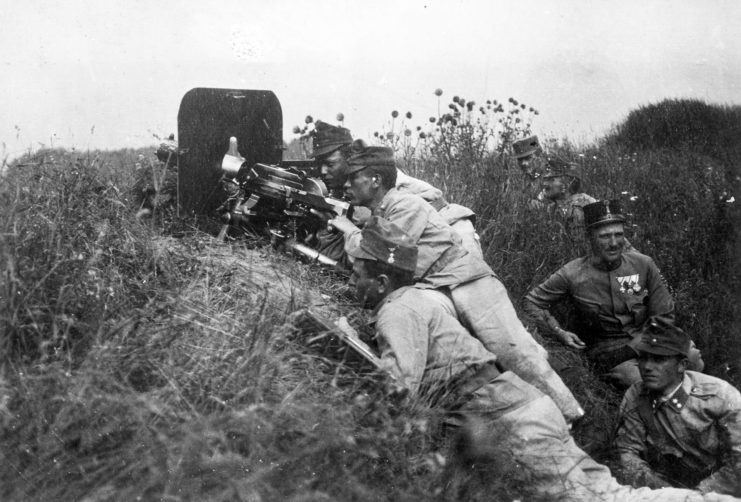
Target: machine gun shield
pixel 207 118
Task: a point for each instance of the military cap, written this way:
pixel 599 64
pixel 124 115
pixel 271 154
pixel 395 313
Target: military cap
pixel 370 156
pixel 328 138
pixel 383 241
pixel 602 212
pixel 661 337
pixel 556 167
pixel 526 146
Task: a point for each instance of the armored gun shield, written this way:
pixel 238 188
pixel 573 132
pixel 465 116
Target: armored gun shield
pixel 207 118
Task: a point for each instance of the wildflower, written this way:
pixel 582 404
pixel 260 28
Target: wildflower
pixel 470 105
pixel 624 193
pixel 407 132
pixel 422 135
pixel 375 134
pixel 536 112
pixel 634 198
pixel 409 115
pixel 433 120
pixel 389 135
pixel 731 200
pixel 340 117
pixel 309 119
pixel 394 114
pixel 419 128
pixel 296 130
pixel 456 99
pixel 515 102
pixel 438 92
pixel 511 100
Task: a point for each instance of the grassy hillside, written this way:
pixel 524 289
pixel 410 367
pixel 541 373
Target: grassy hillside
pixel 143 360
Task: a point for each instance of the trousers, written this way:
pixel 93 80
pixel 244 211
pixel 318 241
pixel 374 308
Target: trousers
pixel 484 307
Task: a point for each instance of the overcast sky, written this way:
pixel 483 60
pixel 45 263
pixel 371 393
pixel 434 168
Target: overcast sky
pixel 110 74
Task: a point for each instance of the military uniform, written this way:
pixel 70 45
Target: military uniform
pixel 460 218
pixel 692 438
pixel 612 305
pixel 479 299
pixel 571 209
pixel 501 417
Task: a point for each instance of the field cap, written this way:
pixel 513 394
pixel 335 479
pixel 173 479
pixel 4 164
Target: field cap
pixel 370 156
pixel 383 241
pixel 661 337
pixel 603 212
pixel 328 138
pixel 556 167
pixel 526 146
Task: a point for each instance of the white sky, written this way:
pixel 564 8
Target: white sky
pixel 109 74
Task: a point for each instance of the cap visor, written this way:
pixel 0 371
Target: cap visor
pixel 659 351
pixel 325 150
pixel 358 252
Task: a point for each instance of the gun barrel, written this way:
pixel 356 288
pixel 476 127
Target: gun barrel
pixel 313 254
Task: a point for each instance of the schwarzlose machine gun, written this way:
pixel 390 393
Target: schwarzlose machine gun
pixel 230 162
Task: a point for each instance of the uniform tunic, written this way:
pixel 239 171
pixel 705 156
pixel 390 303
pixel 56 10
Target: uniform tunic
pixel 612 305
pixel 692 437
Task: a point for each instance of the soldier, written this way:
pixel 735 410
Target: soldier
pixel 561 183
pixel 677 427
pixel 333 145
pixel 480 299
pixel 614 293
pixel 503 420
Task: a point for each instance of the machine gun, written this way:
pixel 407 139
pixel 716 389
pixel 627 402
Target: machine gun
pixel 284 201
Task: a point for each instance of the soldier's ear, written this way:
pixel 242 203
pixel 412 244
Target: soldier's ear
pixel 383 284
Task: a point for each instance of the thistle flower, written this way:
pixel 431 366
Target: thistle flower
pixel 470 105
pixel 522 106
pixel 389 135
pixel 375 134
pixel 438 92
pixel 309 119
pixel 419 128
pixel 456 99
pixel 394 114
pixel 422 135
pixel 296 130
pixel 407 132
pixel 432 119
pixel 340 117
pixel 409 115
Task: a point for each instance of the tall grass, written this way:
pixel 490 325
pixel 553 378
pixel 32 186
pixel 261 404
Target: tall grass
pixel 143 360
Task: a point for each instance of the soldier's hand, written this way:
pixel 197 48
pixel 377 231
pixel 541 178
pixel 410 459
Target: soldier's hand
pixel 570 339
pixel 343 224
pixel 323 215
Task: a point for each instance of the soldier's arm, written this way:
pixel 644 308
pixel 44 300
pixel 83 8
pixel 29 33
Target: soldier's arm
pixel 630 443
pixel 537 302
pixel 660 301
pixel 402 339
pixel 727 479
pixel 411 214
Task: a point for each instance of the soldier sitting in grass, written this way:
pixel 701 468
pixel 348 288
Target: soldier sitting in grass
pixel 615 293
pixel 503 420
pixel 678 427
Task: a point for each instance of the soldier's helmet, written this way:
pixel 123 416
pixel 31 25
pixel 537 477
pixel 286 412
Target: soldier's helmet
pixel 603 212
pixel 328 138
pixel 661 337
pixel 383 241
pixel 525 147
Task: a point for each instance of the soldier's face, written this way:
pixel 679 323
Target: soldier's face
pixel 532 166
pixel 661 373
pixel 333 169
pixel 608 242
pixel 361 188
pixel 554 187
pixel 367 288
